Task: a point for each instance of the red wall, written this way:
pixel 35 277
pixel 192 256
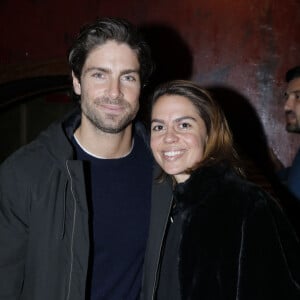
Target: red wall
pixel 241 47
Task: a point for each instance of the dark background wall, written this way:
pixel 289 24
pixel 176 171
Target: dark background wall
pixel 240 49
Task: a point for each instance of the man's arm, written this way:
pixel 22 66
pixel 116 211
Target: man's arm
pixel 13 232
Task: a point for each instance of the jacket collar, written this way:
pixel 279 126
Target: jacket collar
pixel 57 138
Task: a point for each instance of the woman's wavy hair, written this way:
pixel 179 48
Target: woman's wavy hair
pixel 219 146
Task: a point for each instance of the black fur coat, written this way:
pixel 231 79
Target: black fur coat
pixel 235 242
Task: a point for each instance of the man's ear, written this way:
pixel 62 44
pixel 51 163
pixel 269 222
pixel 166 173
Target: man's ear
pixel 76 84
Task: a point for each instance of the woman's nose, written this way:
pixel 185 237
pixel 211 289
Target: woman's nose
pixel 170 136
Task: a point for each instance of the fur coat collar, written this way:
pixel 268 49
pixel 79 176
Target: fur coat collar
pixel 235 242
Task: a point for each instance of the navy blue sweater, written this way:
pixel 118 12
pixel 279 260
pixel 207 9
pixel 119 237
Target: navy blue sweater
pixel 119 191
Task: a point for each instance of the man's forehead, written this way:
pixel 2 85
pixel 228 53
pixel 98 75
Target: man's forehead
pixel 114 52
pixel 293 86
pixel 112 57
pixel 108 45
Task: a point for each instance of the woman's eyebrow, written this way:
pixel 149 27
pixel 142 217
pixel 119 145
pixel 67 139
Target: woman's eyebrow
pixel 185 118
pixel 157 121
pixel 177 120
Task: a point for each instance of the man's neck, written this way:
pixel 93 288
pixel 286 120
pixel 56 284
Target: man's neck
pixel 102 144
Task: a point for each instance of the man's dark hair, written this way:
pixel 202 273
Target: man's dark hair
pixel 110 29
pixel 292 74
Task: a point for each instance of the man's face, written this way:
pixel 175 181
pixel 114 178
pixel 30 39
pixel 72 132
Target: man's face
pixel 292 106
pixel 109 87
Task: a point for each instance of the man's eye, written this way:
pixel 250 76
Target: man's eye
pixel 129 78
pixel 98 75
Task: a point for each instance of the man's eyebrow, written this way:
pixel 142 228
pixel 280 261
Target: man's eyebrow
pixel 92 69
pixel 106 70
pixel 128 71
pixel 292 92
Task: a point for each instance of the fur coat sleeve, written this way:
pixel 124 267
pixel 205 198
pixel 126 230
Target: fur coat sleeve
pixel 235 243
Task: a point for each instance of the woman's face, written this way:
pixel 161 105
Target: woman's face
pixel 178 135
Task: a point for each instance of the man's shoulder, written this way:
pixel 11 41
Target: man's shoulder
pixel 55 140
pixel 26 158
pixel 38 152
pixel 141 131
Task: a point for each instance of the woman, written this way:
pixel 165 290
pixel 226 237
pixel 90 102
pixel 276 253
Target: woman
pixel 218 236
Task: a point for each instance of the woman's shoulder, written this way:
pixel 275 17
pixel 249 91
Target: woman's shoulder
pixel 221 187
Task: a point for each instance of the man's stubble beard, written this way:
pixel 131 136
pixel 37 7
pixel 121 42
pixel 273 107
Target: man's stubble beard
pixel 293 127
pixel 109 123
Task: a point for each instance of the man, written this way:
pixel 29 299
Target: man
pixel 292 113
pixel 75 203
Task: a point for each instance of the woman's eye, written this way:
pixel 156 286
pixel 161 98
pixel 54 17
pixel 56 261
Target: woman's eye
pixel 184 125
pixel 157 128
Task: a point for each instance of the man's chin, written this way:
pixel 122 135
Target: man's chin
pixel 292 128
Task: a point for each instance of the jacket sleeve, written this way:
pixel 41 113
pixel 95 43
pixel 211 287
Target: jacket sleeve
pixel 13 232
pixel 269 260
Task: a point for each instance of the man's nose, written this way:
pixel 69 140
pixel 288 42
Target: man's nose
pixel 114 88
pixel 289 103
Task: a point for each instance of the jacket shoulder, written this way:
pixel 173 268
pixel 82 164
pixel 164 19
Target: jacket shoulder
pixel 223 189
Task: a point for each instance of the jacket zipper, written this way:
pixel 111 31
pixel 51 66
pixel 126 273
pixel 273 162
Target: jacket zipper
pixel 72 236
pixel 160 250
pixel 64 213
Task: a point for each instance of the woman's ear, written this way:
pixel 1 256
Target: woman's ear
pixel 76 84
